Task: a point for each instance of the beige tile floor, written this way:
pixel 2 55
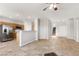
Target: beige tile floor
pixel 61 46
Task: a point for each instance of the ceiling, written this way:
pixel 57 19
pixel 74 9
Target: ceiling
pixel 30 10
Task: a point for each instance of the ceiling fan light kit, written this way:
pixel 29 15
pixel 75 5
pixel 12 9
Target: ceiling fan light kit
pixel 51 6
pixel 55 8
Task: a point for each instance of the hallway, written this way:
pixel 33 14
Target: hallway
pixel 61 46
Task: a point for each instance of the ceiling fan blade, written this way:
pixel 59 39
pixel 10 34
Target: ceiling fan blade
pixel 45 9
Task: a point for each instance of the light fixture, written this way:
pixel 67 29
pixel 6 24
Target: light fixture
pixel 55 7
pixel 52 6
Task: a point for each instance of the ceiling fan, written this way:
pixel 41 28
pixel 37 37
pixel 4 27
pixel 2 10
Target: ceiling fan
pixel 51 6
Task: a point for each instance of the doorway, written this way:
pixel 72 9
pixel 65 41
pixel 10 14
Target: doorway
pixel 54 31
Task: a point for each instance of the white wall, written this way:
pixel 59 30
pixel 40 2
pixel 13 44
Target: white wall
pixel 61 27
pixel 44 29
pixel 76 29
pixel 61 31
pixel 36 23
pixel 70 28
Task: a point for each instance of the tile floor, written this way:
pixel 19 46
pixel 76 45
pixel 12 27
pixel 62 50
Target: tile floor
pixel 61 46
